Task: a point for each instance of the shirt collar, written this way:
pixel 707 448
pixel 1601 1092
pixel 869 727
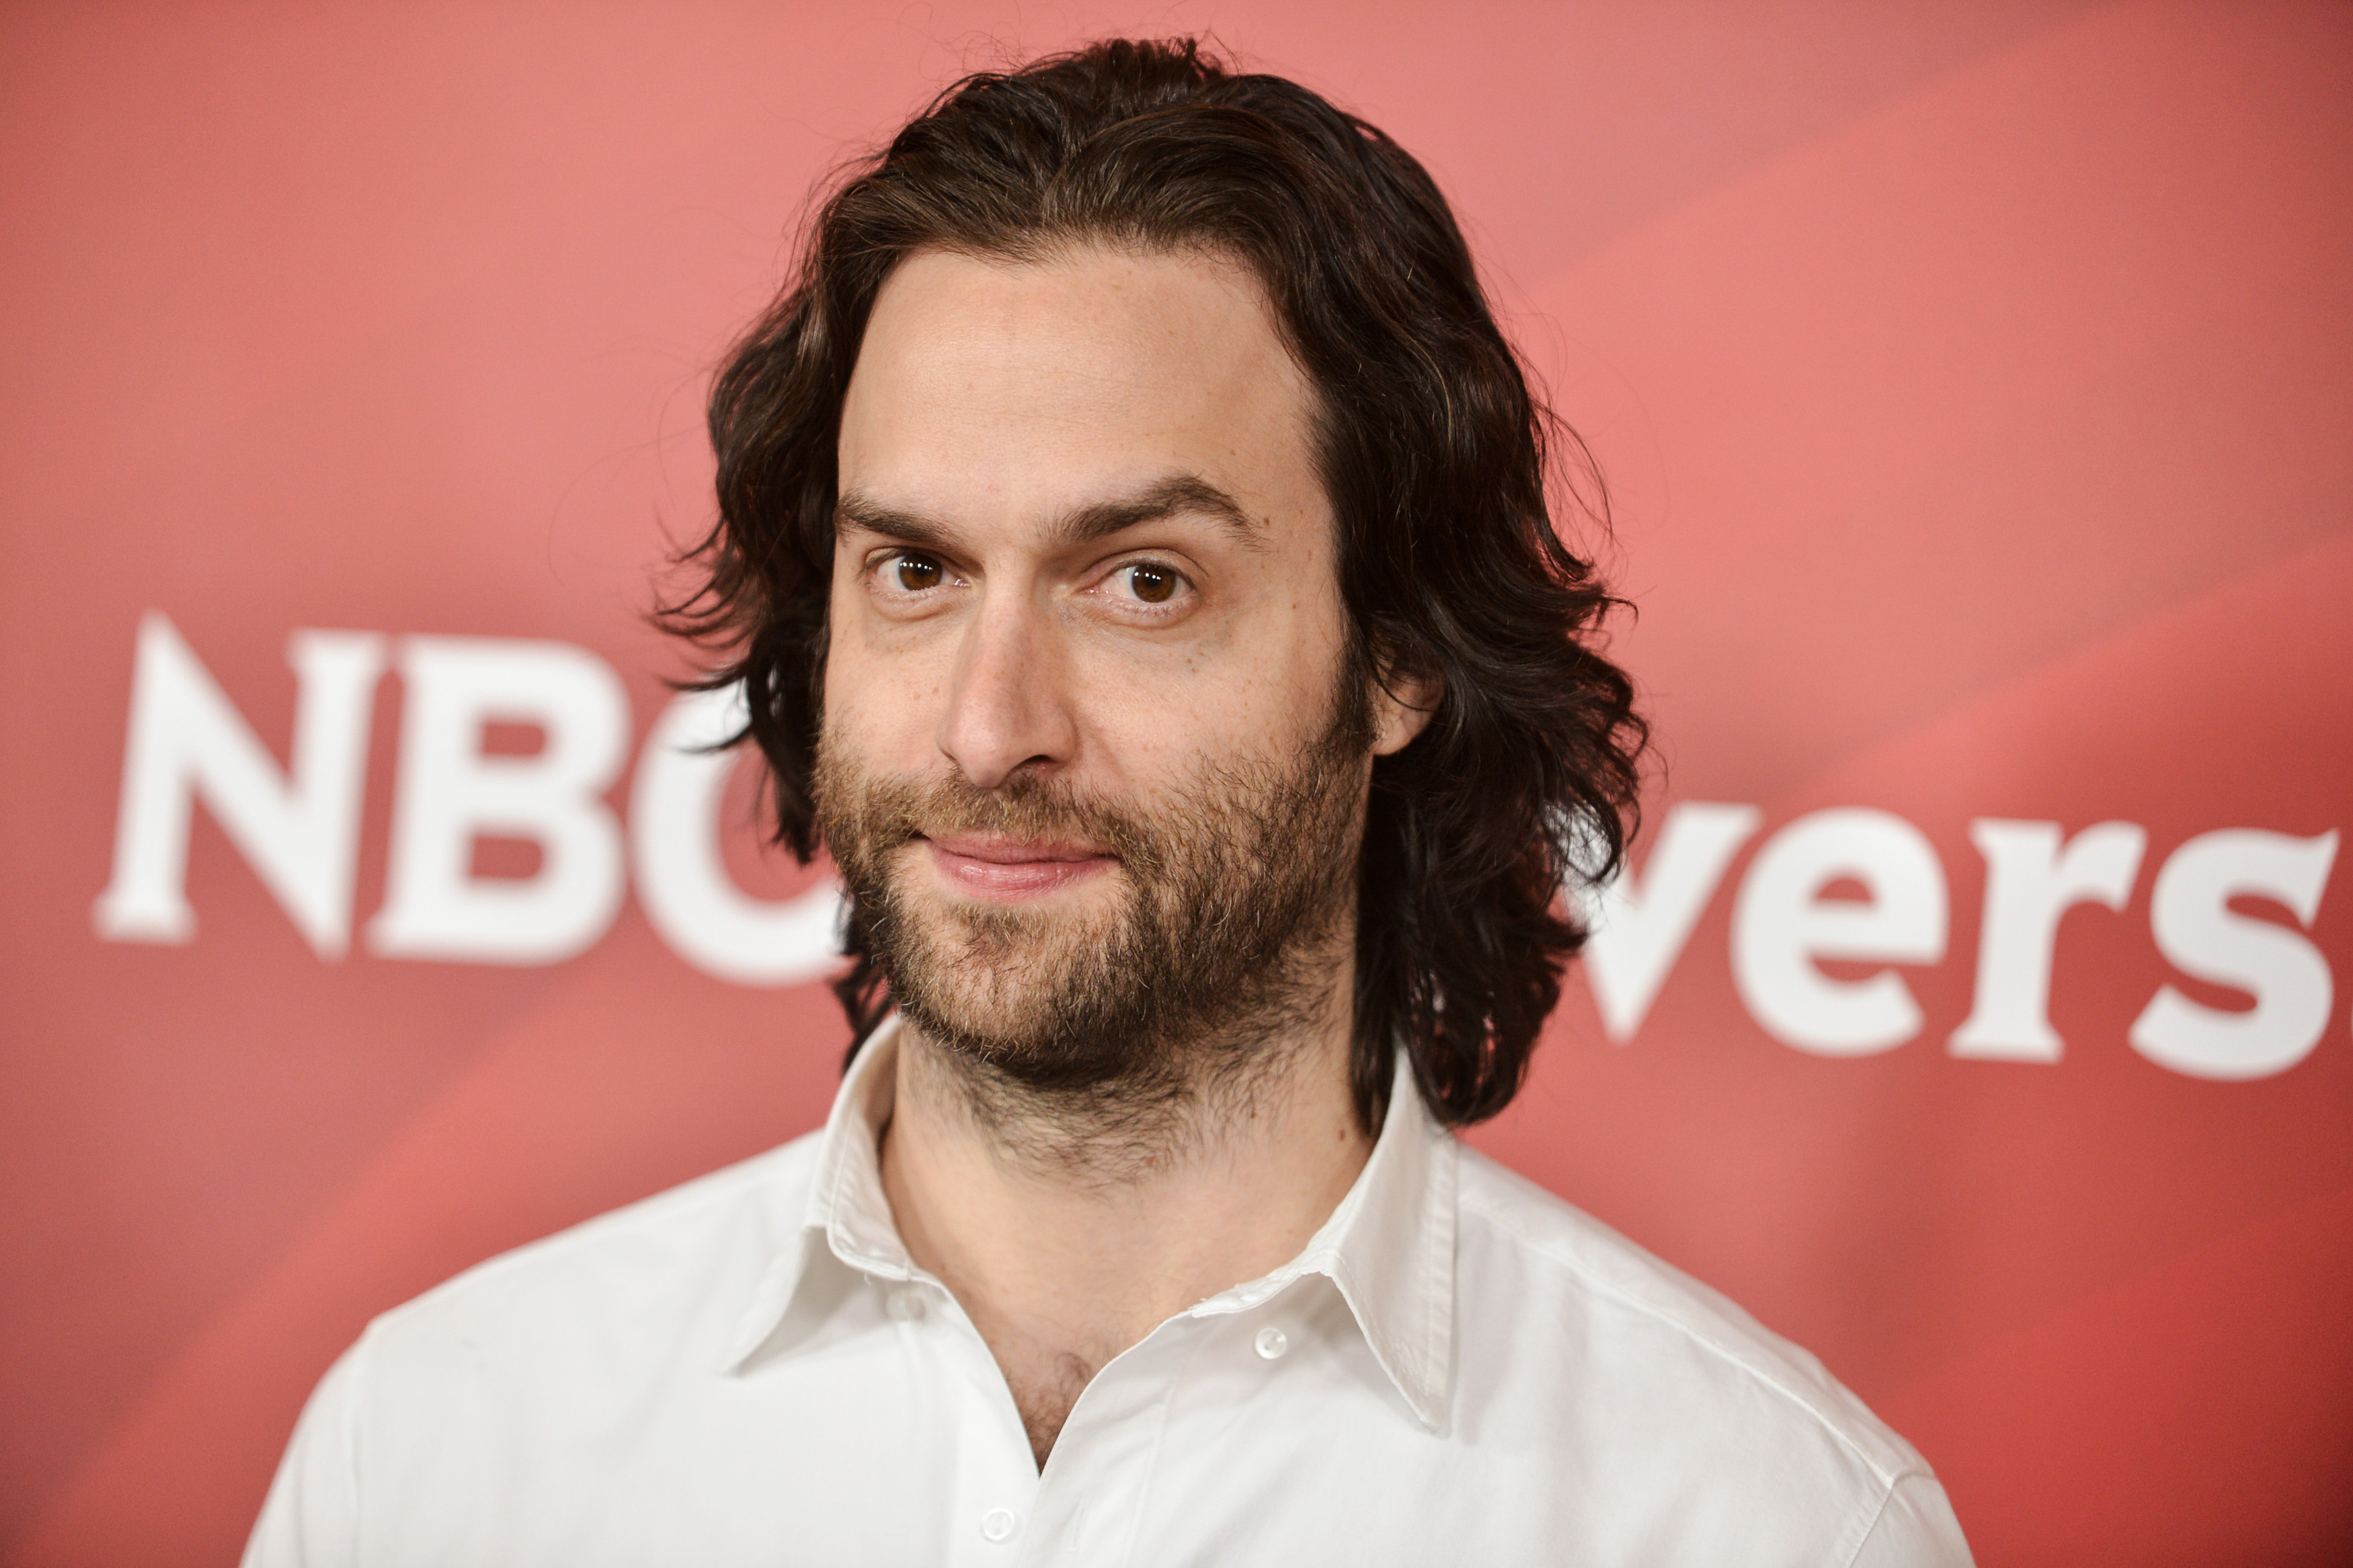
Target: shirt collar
pixel 1389 1247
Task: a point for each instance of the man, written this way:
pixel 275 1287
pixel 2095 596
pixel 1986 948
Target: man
pixel 1133 544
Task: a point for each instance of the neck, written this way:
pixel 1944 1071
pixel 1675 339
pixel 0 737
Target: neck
pixel 1069 1228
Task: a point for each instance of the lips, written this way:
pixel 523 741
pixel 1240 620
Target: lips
pixel 1011 869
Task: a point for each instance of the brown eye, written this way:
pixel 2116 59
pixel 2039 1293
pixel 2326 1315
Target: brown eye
pixel 916 573
pixel 1153 585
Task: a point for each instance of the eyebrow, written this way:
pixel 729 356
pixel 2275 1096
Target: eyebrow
pixel 1170 497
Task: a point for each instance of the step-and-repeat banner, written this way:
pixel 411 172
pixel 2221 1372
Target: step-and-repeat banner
pixel 1971 382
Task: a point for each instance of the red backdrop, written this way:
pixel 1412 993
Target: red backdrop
pixel 1972 380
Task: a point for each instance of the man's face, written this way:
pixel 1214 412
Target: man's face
pixel 1088 763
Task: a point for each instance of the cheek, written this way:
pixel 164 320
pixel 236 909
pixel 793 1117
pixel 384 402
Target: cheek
pixel 1262 696
pixel 883 692
pixel 850 709
pixel 842 663
pixel 1275 687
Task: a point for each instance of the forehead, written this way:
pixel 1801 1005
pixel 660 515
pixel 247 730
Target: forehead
pixel 984 382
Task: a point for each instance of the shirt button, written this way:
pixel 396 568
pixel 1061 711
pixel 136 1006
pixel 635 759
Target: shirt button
pixel 997 1526
pixel 905 1305
pixel 1271 1343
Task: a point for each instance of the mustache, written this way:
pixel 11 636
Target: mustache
pixel 888 814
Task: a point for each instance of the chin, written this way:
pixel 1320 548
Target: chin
pixel 999 1015
pixel 998 972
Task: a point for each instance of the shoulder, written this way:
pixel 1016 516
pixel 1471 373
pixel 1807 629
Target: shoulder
pixel 682 1262
pixel 488 1398
pixel 1665 1361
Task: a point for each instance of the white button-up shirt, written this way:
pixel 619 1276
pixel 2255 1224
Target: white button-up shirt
pixel 749 1369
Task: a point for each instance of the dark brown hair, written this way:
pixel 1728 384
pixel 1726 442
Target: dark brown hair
pixel 1432 452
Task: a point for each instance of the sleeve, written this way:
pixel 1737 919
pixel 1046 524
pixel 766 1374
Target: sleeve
pixel 1915 1528
pixel 310 1519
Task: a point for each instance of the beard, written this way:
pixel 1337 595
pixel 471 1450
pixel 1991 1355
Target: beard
pixel 1230 910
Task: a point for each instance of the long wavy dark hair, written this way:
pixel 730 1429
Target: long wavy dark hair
pixel 1432 452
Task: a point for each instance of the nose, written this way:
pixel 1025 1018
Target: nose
pixel 1008 704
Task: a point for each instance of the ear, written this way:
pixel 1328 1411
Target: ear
pixel 1402 705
